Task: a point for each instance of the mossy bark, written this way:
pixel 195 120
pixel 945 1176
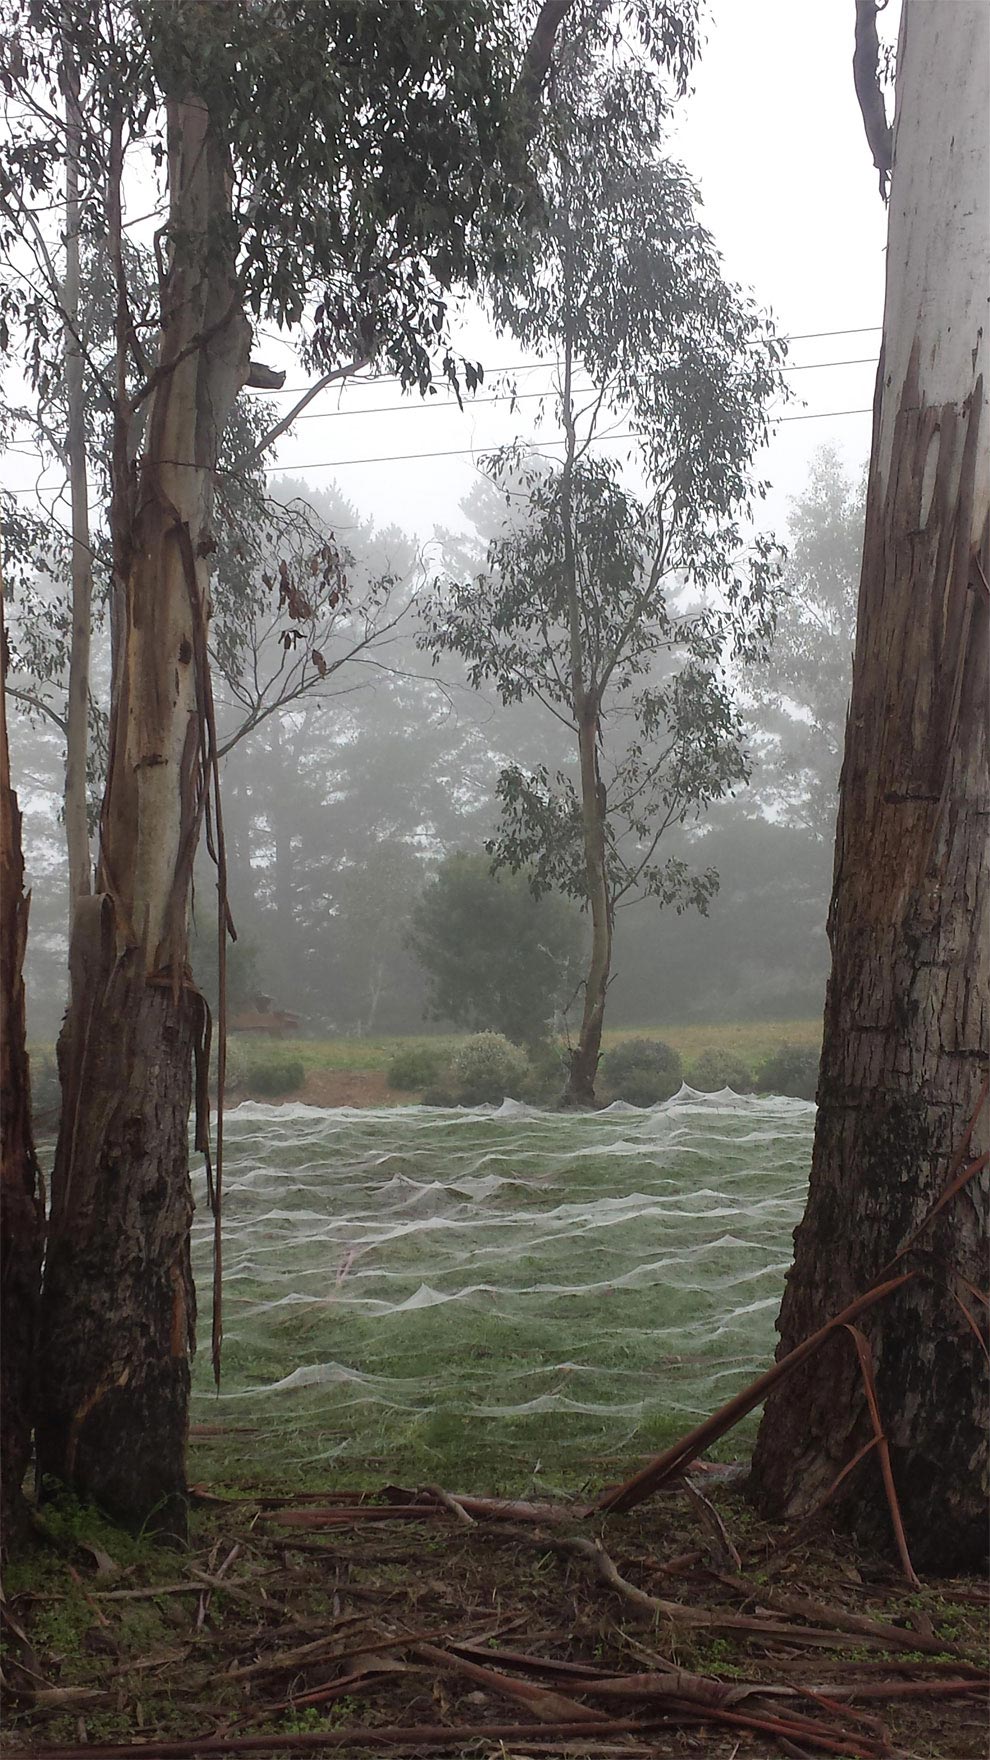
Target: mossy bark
pixel 119 1311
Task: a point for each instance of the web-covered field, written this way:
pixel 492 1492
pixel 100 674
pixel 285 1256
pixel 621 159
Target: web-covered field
pixel 503 1296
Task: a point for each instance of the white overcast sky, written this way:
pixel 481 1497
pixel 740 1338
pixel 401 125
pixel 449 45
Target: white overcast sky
pixel 773 137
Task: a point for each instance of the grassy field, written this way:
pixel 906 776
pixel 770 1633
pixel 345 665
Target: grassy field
pixel 500 1300
pixel 751 1040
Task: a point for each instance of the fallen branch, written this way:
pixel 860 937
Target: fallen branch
pixel 676 1458
pixel 840 1619
pixel 955 1687
pixel 352 1736
pixel 547 1707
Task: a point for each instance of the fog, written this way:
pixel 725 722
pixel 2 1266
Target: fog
pixel 344 794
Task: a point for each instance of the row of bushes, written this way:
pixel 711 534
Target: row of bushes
pixel 489 1068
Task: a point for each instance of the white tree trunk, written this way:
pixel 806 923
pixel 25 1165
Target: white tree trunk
pixel 938 243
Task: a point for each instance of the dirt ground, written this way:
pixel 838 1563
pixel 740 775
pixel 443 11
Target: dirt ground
pixel 350 1624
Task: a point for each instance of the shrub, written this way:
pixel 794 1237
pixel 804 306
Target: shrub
pixel 416 1067
pixel 275 1075
pixel 547 1076
pixel 488 1068
pixel 716 1069
pixel 642 1071
pixel 792 1070
pixel 440 1094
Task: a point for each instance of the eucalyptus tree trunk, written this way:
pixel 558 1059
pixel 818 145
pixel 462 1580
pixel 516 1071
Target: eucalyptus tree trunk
pixel 580 1090
pixel 904 1066
pixel 586 1053
pixel 118 1304
pixel 77 729
pixel 21 1215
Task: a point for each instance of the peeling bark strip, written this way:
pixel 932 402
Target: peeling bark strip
pixel 866 78
pixel 906 1026
pixel 21 1215
pixel 118 1308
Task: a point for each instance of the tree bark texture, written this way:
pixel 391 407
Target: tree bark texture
pixel 906 1024
pixel 118 1306
pixel 21 1214
pixel 586 1054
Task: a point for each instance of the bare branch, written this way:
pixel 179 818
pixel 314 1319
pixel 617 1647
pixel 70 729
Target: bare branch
pixel 274 434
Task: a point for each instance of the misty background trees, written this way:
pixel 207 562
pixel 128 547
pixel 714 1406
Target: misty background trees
pixel 342 806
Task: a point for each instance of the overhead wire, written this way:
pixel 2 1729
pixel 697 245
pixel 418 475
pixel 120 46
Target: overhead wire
pixel 555 361
pixel 511 398
pixel 409 408
pixel 288 468
pixel 558 440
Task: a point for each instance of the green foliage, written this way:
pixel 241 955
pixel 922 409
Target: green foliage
pixel 791 1070
pixel 442 1093
pixel 415 1068
pixel 274 1075
pixel 496 956
pixel 716 1069
pixel 548 1071
pixel 642 1071
pixel 488 1069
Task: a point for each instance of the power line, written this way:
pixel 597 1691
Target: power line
pixel 529 366
pixel 409 408
pixel 337 464
pixel 324 464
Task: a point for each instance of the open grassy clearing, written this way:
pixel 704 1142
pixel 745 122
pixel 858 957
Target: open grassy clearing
pixel 511 1299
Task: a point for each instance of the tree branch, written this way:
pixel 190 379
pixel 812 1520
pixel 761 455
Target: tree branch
pixel 275 433
pixel 536 61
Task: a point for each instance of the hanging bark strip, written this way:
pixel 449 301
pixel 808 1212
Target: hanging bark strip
pixel 865 1356
pixel 866 78
pixel 209 800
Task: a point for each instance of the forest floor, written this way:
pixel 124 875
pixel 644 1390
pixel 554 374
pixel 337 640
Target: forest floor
pixel 364 1624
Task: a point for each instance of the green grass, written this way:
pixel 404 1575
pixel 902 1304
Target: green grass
pixel 751 1040
pixel 506 1302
